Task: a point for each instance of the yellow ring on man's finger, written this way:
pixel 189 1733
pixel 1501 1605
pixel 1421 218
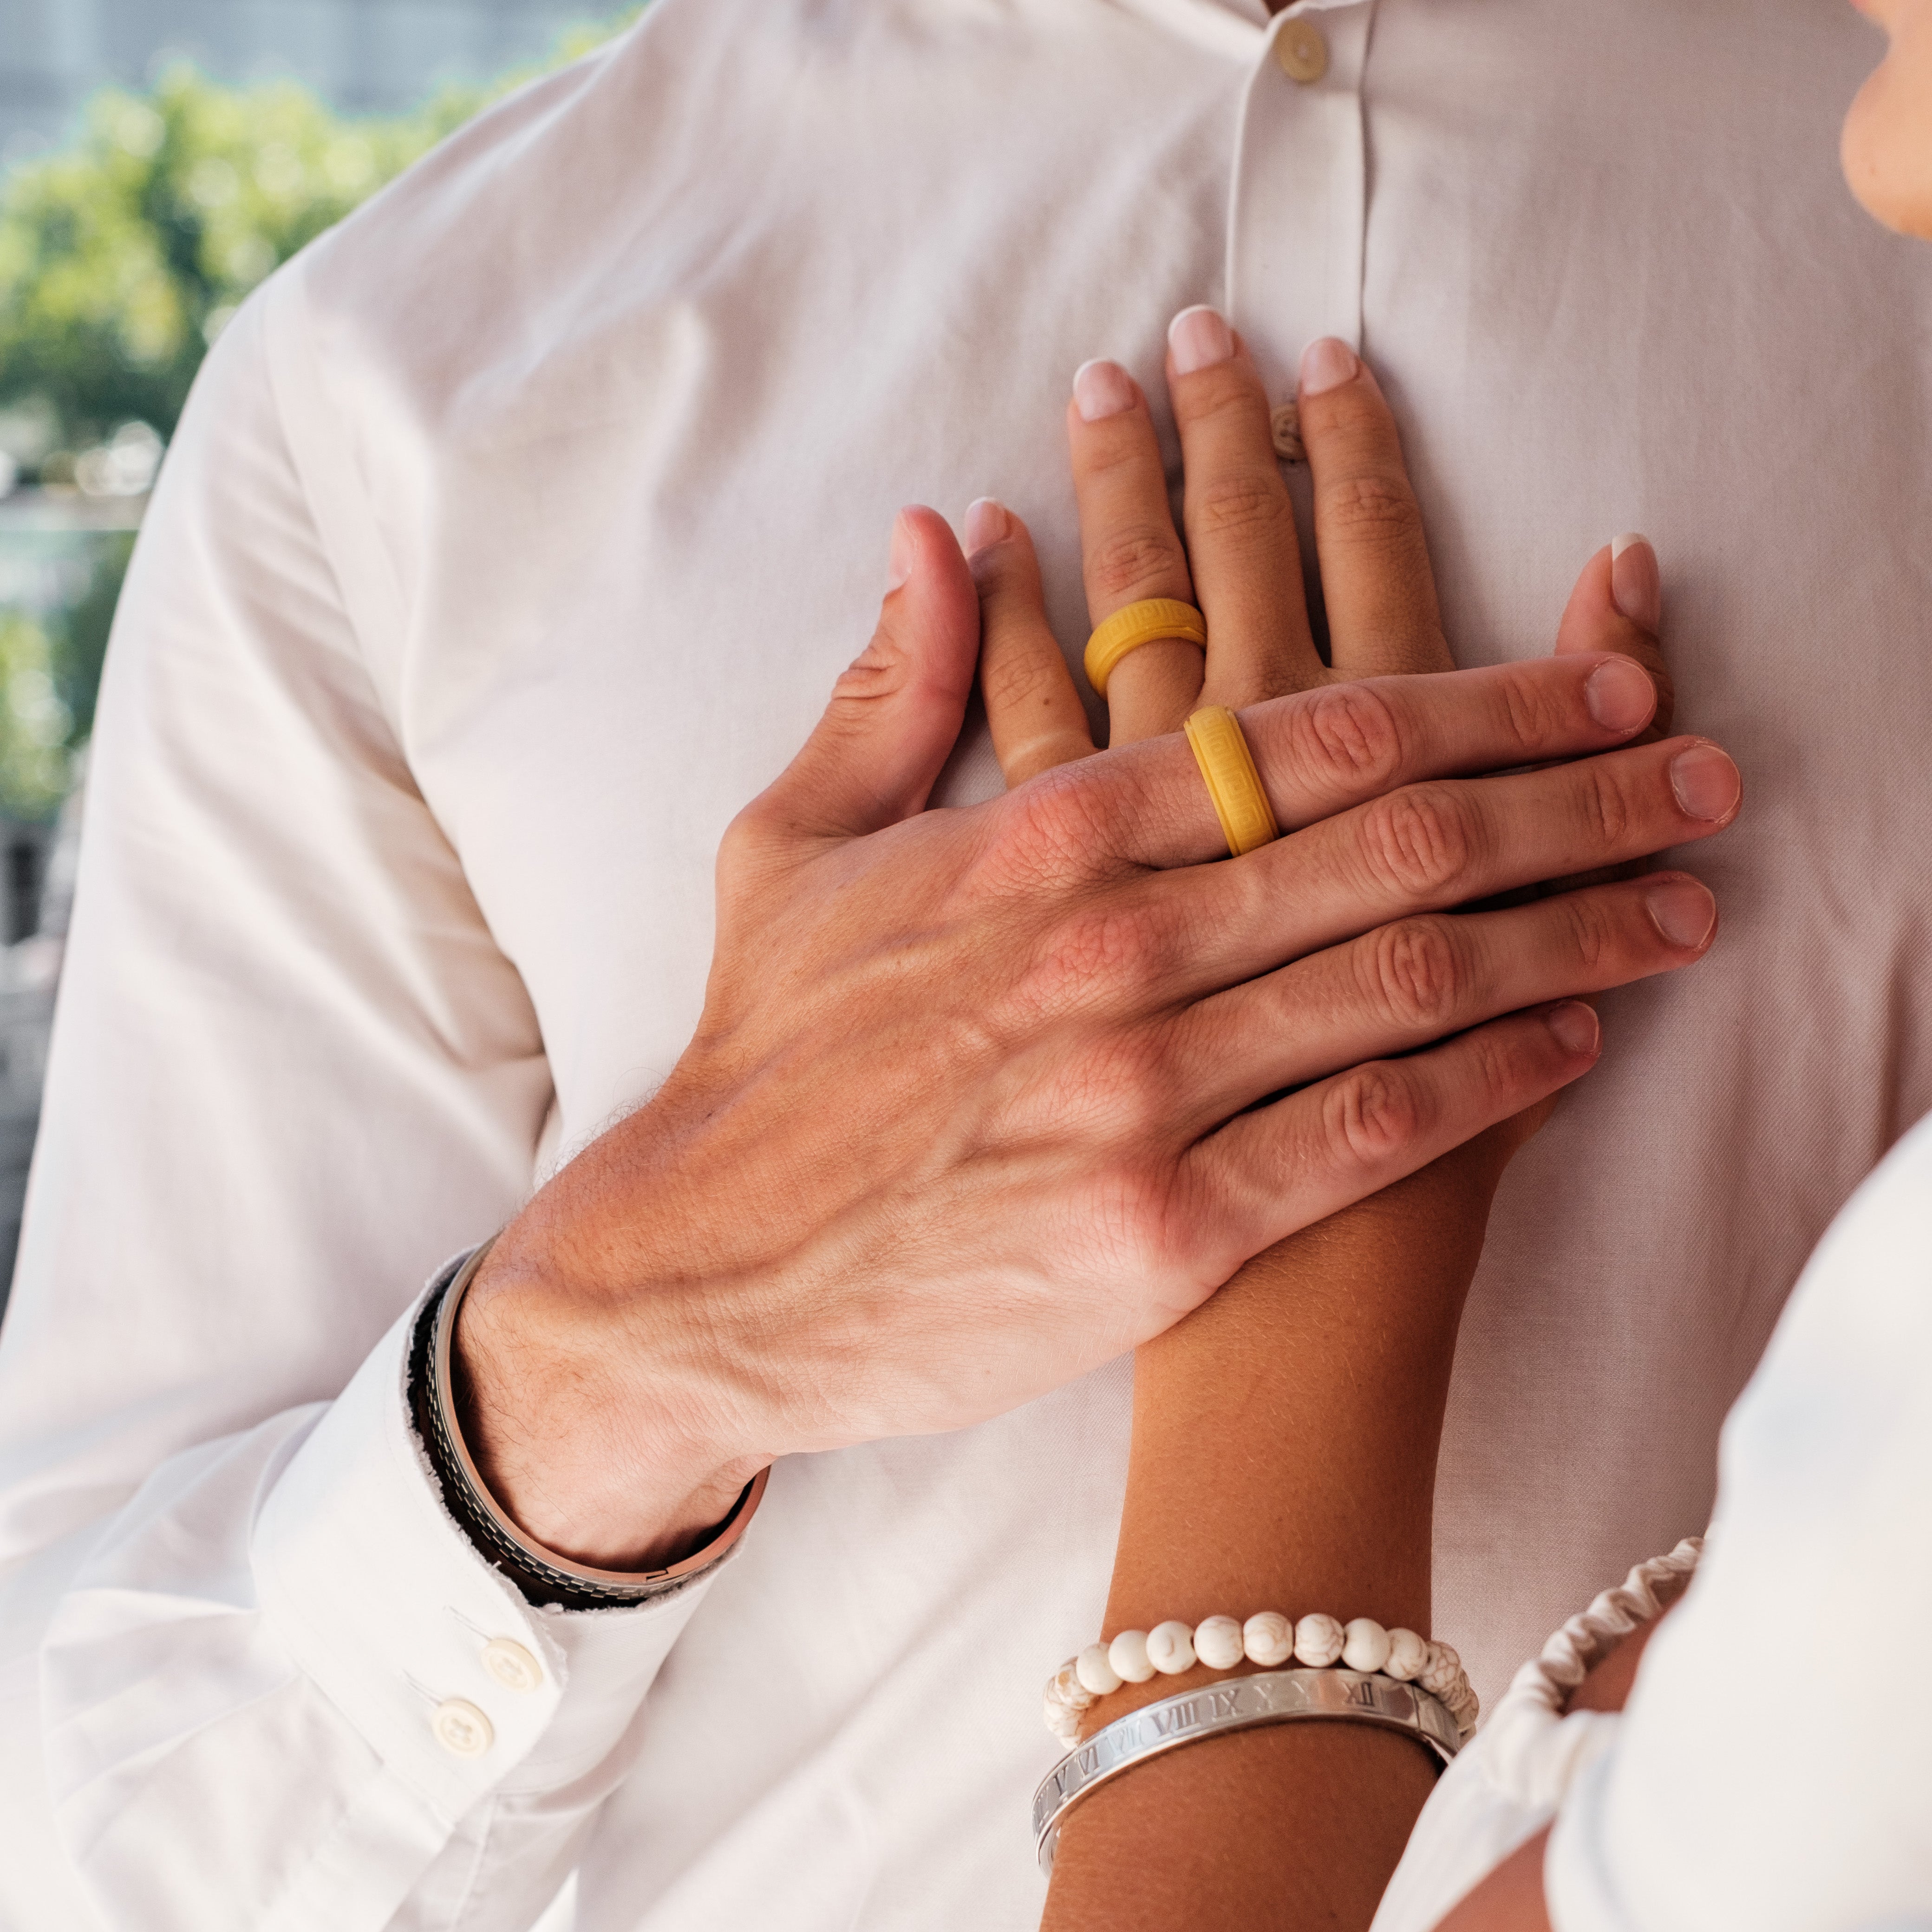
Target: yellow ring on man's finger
pixel 1221 750
pixel 1148 622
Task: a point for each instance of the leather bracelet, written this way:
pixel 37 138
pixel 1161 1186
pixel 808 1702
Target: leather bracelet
pixel 1269 1697
pixel 540 1575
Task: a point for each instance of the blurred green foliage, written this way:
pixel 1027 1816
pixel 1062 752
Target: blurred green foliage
pixel 122 258
pixel 36 727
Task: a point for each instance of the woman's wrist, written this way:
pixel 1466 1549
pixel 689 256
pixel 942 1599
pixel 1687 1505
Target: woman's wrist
pixel 1285 1434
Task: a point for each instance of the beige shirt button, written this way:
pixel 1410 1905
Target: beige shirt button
pixel 461 1729
pixel 1302 51
pixel 1285 430
pixel 511 1665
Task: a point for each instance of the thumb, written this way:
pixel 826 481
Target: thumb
pixel 896 710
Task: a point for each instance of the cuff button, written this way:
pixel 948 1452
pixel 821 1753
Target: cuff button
pixel 461 1729
pixel 511 1665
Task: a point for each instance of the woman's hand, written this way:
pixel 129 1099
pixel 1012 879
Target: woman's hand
pixel 1284 1435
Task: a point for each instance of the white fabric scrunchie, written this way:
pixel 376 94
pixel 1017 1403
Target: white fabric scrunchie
pixel 1507 1783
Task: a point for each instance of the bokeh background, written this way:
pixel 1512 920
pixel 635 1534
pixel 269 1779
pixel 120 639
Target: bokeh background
pixel 158 158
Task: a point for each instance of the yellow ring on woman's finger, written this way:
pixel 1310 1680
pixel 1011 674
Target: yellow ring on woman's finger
pixel 1221 751
pixel 1148 622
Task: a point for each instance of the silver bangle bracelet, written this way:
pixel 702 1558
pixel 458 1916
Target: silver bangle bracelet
pixel 1269 1697
pixel 543 1576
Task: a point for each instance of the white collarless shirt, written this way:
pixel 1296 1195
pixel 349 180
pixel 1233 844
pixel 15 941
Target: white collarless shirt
pixel 512 541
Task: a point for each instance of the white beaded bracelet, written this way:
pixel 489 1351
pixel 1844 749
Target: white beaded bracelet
pixel 1318 1641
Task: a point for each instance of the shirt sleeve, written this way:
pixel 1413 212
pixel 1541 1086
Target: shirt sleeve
pixel 1767 1771
pixel 1506 1784
pixel 243 1677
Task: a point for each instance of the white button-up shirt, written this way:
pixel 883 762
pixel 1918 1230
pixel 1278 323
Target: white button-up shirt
pixel 1766 1772
pixel 513 540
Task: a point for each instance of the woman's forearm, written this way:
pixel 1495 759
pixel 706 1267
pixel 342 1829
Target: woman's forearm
pixel 1284 1457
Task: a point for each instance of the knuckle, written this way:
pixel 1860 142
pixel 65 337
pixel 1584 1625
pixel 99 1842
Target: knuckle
pixel 877 672
pixel 1139 1088
pixel 1346 735
pixel 1010 677
pixel 1529 717
pixel 1501 1073
pixel 1103 953
pixel 1127 563
pixel 1371 1115
pixel 1418 842
pixel 1239 505
pixel 1604 805
pixel 1221 389
pixel 1588 932
pixel 1054 821
pixel 1370 510
pixel 1418 972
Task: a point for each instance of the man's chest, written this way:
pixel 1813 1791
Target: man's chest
pixel 642 526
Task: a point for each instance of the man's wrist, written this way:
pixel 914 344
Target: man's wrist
pixel 594 1423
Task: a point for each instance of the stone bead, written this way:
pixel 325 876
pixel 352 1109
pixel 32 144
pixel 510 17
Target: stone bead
pixel 1128 1654
pixel 1440 1673
pixel 1268 1638
pixel 1365 1645
pixel 1066 1698
pixel 1318 1640
pixel 1065 1687
pixel 1170 1648
pixel 1218 1642
pixel 1095 1672
pixel 1063 1723
pixel 1408 1657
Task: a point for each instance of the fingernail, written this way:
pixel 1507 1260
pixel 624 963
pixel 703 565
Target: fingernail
pixel 1620 695
pixel 1575 1027
pixel 1197 338
pixel 898 565
pixel 1326 364
pixel 1705 781
pixel 987 522
pixel 1102 389
pixel 1634 583
pixel 1684 911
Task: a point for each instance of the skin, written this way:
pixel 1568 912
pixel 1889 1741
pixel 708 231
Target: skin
pixel 971 1109
pixel 1885 150
pixel 1326 1357
pixel 1188 1836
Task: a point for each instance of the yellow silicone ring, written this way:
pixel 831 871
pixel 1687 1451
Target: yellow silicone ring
pixel 1146 623
pixel 1247 819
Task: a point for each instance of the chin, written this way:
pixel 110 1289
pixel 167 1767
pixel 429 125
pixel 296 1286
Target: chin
pixel 1886 150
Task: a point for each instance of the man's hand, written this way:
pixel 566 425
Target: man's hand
pixel 972 1105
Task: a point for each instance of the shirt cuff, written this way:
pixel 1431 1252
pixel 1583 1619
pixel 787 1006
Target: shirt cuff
pixel 459 1685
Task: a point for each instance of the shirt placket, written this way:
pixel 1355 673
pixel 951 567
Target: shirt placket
pixel 1298 203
